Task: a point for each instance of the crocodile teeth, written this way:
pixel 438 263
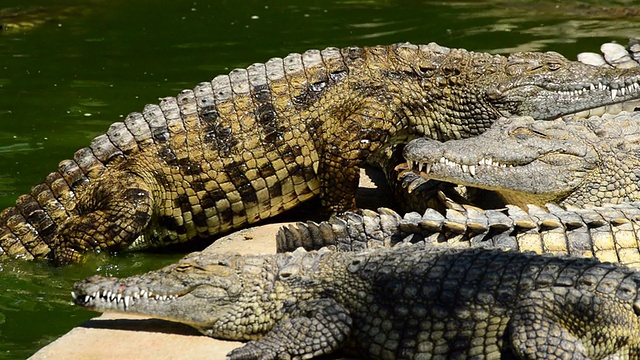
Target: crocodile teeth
pixel 472 170
pixel 614 92
pixel 127 300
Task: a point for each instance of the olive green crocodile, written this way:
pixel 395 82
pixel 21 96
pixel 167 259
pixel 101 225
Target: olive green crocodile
pixel 258 141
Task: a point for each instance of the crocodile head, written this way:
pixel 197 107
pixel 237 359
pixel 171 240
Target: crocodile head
pixel 567 162
pixel 204 292
pixel 547 85
pixel 218 294
pixel 470 90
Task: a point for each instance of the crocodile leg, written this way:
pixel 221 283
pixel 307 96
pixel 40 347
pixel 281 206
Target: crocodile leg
pixel 550 324
pixel 115 212
pixel 368 124
pixel 317 327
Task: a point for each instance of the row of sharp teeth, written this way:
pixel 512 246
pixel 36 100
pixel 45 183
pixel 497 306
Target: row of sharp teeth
pixel 612 109
pixel 127 300
pixel 634 87
pixel 471 169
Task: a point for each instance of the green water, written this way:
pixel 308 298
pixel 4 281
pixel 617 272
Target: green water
pixel 64 81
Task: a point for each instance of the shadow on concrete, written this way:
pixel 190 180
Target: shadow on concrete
pixel 147 325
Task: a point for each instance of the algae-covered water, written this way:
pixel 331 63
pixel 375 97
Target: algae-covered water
pixel 86 64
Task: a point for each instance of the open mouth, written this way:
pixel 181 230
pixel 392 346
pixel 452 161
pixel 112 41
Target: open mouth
pixel 446 165
pixel 117 300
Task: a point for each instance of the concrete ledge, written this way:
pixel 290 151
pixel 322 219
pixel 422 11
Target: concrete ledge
pixel 116 336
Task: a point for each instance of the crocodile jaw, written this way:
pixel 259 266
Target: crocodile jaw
pixel 546 86
pixel 585 103
pixel 198 307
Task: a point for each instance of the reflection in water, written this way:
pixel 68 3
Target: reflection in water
pixel 553 22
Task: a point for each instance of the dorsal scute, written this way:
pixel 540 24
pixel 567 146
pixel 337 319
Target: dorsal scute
pixel 103 149
pixel 222 88
pixel 87 161
pixel 139 128
pixel 239 79
pixel 154 116
pixel 186 103
pixel 257 74
pixel 171 111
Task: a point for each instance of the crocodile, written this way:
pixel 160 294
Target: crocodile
pixel 390 303
pixel 566 162
pixel 608 233
pixel 258 141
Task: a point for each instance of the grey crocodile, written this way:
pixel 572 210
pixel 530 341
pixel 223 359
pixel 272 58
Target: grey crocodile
pixel 400 303
pixel 565 162
pixel 258 141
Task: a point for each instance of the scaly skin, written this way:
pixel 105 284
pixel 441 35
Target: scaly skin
pixel 565 162
pixel 400 303
pixel 609 233
pixel 261 140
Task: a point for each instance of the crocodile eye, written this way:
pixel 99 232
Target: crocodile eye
pixel 526 133
pixel 183 267
pixel 553 66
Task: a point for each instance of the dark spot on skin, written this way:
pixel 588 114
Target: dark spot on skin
pixel 237 175
pixel 273 137
pixel 310 95
pixel 167 155
pixel 170 223
pixel 208 200
pixel 200 219
pixel 261 93
pixel 208 115
pixel 337 76
pixel 182 203
pixel 288 154
pixel 352 53
pixel 47 233
pixel 450 71
pixel 266 115
pixel 267 170
pixel 197 185
pixel 160 135
pixel 189 167
pixel 222 138
pixel 226 215
pixel 275 190
pixel 135 194
pixel 215 132
pixel 142 217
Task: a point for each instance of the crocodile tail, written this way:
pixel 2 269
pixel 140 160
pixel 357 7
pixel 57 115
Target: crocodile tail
pixel 349 232
pixel 28 230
